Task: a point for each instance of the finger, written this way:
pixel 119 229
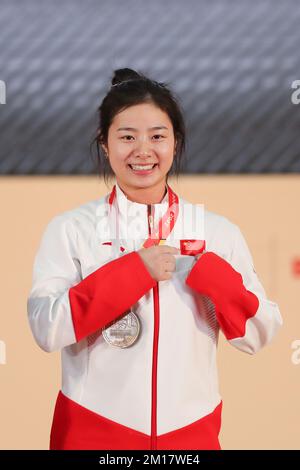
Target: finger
pixel 169 269
pixel 167 275
pixel 168 257
pixel 170 264
pixel 169 249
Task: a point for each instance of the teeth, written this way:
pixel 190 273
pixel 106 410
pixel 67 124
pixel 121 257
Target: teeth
pixel 142 167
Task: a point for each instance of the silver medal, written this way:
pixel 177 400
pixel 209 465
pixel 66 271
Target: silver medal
pixel 124 332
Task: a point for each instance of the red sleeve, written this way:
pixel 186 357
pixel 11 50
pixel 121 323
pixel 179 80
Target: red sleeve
pixel 108 292
pixel 215 277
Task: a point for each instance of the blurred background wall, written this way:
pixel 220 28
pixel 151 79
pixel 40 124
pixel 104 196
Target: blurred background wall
pixel 232 66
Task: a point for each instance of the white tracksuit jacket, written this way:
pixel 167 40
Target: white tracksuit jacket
pixel 161 392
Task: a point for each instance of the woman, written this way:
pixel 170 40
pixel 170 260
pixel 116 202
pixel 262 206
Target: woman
pixel 134 304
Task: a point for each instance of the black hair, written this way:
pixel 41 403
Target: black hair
pixel 129 88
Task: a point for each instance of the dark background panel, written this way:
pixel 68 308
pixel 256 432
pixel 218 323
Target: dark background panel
pixel 231 63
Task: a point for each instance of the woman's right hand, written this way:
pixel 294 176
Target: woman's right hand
pixel 160 260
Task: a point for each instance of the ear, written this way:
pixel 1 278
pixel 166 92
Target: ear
pixel 104 148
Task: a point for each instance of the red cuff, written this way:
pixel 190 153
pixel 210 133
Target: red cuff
pixel 213 276
pixel 108 292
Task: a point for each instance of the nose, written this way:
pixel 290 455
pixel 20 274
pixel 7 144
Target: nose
pixel 143 154
pixel 143 149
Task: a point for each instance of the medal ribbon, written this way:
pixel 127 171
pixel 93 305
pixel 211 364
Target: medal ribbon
pixel 166 222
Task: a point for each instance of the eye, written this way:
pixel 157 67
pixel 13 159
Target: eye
pixel 158 135
pixel 124 137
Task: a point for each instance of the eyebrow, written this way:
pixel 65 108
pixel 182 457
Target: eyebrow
pixel 133 129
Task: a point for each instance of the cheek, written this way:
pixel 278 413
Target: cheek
pixel 118 154
pixel 118 148
pixel 118 163
pixel 166 150
pixel 166 156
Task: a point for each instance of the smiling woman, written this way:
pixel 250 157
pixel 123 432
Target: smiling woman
pixel 141 160
pixel 141 135
pixel 134 309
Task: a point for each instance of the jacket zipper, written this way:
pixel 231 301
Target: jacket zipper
pixel 154 354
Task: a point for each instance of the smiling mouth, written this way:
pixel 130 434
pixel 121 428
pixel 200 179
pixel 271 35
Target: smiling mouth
pixel 140 167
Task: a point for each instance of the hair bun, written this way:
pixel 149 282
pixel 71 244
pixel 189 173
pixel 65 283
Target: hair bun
pixel 122 75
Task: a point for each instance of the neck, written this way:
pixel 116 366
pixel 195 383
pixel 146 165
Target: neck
pixel 151 195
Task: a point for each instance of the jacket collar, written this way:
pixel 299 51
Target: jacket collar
pixel 130 211
pixel 126 204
